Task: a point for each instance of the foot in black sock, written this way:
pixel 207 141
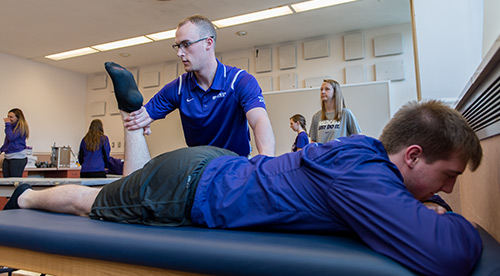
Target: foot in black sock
pixel 12 203
pixel 128 96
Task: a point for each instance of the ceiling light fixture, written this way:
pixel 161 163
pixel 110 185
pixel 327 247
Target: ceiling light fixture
pixel 122 43
pixel 162 35
pixel 251 17
pixel 316 4
pixel 72 53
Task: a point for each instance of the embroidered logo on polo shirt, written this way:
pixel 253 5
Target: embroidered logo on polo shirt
pixel 189 100
pixel 261 99
pixel 220 95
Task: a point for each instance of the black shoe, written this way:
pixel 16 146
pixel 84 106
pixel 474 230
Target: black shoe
pixel 12 203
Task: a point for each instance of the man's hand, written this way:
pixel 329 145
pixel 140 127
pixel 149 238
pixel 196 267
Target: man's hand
pixel 435 207
pixel 139 119
pixel 441 210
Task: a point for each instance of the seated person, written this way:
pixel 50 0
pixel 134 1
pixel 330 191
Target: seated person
pixel 374 188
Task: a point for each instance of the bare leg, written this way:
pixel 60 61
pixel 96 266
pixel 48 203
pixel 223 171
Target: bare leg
pixel 129 99
pixel 69 199
pixel 136 149
pixel 78 199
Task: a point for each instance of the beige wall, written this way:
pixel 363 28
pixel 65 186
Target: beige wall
pixel 478 193
pixel 491 24
pixel 52 99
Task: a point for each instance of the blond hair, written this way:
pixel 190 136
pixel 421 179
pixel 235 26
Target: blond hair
pixel 205 26
pixel 22 124
pixel 338 99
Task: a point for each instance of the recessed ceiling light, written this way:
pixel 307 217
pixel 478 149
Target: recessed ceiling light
pixel 124 54
pixel 241 33
pixel 72 53
pixel 122 43
pixel 162 35
pixel 316 4
pixel 251 17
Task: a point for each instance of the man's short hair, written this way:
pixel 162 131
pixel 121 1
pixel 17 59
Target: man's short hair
pixel 205 26
pixel 437 128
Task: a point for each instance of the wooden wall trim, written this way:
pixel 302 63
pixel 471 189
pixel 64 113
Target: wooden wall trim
pixel 73 266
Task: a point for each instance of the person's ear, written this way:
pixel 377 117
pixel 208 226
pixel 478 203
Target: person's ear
pixel 210 43
pixel 413 154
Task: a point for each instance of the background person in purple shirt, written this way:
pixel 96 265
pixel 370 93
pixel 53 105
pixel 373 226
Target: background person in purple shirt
pixel 94 152
pixel 14 145
pixel 298 124
pixel 357 184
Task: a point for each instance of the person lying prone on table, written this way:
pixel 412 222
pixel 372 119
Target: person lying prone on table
pixel 374 188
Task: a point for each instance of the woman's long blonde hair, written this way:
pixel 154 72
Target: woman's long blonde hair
pixel 93 137
pixel 22 124
pixel 338 99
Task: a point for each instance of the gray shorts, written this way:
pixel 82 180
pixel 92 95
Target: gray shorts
pixel 161 193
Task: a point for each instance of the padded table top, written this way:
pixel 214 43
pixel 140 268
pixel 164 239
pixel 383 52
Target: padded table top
pixel 41 181
pixel 206 251
pixel 7 185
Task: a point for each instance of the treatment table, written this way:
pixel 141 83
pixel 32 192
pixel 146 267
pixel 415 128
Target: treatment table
pixel 7 185
pixel 61 244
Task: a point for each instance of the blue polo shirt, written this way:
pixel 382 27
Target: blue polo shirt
pixel 214 117
pixel 346 185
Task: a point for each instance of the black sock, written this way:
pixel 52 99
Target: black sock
pixel 128 96
pixel 12 203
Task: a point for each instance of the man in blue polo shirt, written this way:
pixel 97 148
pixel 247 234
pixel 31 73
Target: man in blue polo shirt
pixel 215 100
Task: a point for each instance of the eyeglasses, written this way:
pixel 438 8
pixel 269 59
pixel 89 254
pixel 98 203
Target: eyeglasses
pixel 185 44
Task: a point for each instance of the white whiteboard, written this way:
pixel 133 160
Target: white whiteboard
pixel 370 104
pixel 368 101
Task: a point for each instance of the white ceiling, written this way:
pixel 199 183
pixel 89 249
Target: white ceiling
pixel 33 29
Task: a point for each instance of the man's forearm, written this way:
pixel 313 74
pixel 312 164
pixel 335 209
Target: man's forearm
pixel 264 139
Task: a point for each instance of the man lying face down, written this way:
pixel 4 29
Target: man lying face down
pixel 374 188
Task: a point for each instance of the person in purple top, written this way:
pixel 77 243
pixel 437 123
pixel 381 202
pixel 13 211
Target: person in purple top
pixel 216 102
pixel 94 152
pixel 298 124
pixel 377 189
pixel 14 145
